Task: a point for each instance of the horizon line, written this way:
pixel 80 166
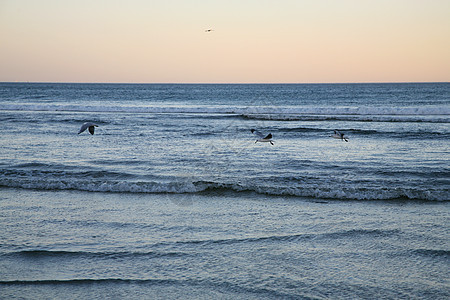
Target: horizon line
pixel 224 83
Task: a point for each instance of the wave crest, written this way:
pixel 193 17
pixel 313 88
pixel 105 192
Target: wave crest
pixel 246 111
pixel 192 187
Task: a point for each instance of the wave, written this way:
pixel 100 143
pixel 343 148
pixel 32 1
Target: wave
pixel 432 253
pixel 204 286
pixel 82 254
pixel 294 132
pixel 89 281
pixel 305 190
pixel 344 234
pixel 50 171
pixel 188 244
pixel 338 192
pixel 431 118
pixel 353 233
pixel 43 176
pixel 102 186
pixel 251 112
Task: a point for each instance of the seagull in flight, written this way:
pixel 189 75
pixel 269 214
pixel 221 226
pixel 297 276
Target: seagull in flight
pixel 262 138
pixel 338 135
pixel 209 30
pixel 87 125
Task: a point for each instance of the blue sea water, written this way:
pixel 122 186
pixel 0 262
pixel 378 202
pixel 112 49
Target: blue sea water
pixel 172 198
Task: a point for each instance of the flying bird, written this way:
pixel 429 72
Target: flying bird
pixel 87 125
pixel 209 30
pixel 338 135
pixel 262 138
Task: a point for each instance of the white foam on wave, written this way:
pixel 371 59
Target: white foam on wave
pixel 103 186
pixel 241 110
pixel 362 193
pixel 187 187
pixel 362 118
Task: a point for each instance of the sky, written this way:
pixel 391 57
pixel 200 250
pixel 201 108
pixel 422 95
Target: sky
pixel 253 41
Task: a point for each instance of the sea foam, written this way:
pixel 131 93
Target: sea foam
pixel 351 192
pixel 242 110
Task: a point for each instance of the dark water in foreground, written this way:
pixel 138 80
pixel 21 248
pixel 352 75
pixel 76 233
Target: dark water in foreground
pixel 81 245
pixel 172 198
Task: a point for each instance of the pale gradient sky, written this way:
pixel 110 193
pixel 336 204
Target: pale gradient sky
pixel 254 41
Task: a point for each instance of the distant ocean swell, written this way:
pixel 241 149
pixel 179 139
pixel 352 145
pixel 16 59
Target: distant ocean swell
pixel 88 280
pixel 227 109
pixel 350 117
pixel 401 134
pixel 165 248
pixel 44 254
pixel 182 186
pixel 268 288
pixel 216 285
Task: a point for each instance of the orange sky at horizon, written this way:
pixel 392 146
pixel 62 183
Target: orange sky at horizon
pixel 262 41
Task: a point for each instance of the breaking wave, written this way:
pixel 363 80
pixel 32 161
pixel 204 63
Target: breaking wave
pixel 286 113
pixel 349 192
pixel 366 117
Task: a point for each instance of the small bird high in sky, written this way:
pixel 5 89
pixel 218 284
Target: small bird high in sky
pixel 272 42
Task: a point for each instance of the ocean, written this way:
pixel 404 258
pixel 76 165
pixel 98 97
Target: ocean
pixel 173 198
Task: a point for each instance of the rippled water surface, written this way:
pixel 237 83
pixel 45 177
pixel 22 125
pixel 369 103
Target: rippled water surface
pixel 172 198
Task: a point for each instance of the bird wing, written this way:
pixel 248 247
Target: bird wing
pixel 86 126
pixel 259 134
pixel 268 137
pixel 83 128
pixel 91 129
